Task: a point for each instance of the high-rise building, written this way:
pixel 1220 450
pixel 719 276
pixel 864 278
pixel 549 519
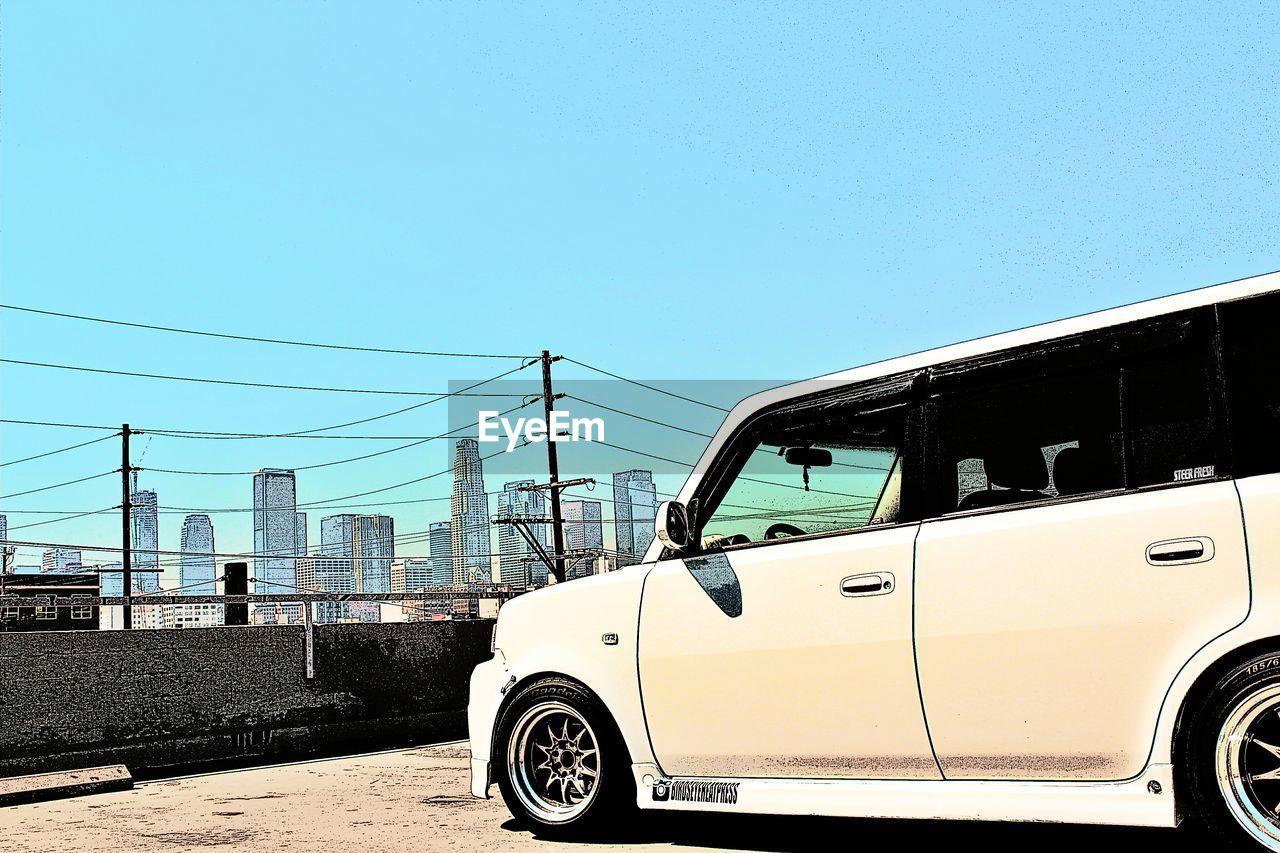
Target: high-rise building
pixel 61 560
pixel 328 574
pixel 517 562
pixel 374 547
pixel 196 568
pixel 410 574
pixel 6 551
pixel 440 542
pixel 275 542
pixel 145 520
pixel 583 531
pixel 300 533
pixel 472 562
pixel 635 505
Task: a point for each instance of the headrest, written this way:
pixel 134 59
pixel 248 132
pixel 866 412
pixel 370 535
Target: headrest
pixel 1077 471
pixel 1017 467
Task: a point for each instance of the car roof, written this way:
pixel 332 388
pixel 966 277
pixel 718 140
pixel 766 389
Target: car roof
pixel 979 346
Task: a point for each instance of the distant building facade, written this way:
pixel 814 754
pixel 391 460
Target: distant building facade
pixel 583 531
pixel 196 567
pixel 635 506
pixel 440 545
pixel 61 560
pixel 275 543
pixel 472 560
pixel 145 532
pixel 78 617
pixel 517 561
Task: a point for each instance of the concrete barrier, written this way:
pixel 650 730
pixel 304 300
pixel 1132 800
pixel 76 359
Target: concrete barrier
pixel 159 701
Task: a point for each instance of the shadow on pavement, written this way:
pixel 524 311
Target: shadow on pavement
pixel 786 834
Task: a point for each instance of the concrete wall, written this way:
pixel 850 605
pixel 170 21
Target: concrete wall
pixel 163 700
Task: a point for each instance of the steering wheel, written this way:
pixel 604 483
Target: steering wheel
pixel 780 529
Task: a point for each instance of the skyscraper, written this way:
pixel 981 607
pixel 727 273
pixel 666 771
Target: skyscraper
pixel 145 520
pixel 635 505
pixel 441 545
pixel 583 530
pixel 196 569
pixel 374 547
pixel 60 560
pixel 6 551
pixel 275 541
pixel 470 532
pixel 513 548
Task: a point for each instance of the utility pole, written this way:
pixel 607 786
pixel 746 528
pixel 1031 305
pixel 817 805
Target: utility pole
pixel 126 529
pixel 553 466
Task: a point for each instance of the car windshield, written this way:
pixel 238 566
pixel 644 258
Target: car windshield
pixel 852 478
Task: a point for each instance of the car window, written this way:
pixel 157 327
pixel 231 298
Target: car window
pixel 854 479
pixel 1251 352
pixel 1031 441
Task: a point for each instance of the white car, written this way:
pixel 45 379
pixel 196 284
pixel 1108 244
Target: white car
pixel 1032 577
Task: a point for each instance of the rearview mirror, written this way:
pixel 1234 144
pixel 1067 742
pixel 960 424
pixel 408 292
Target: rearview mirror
pixel 809 457
pixel 672 525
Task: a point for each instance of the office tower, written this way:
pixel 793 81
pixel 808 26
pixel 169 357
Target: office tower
pixel 275 542
pixel 61 560
pixel 196 568
pixel 409 575
pixel 111 582
pixel 6 551
pixel 518 564
pixel 583 531
pixel 373 547
pixel 635 505
pixel 145 521
pixel 328 574
pixel 440 542
pixel 471 541
pixel 300 534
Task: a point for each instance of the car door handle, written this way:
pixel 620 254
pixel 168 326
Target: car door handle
pixel 873 583
pixel 1180 552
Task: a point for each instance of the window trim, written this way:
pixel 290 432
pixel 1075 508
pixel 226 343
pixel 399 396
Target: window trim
pixel 880 394
pixel 1165 330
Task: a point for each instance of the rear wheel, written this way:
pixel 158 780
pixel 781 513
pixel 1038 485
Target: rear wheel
pixel 565 770
pixel 1235 756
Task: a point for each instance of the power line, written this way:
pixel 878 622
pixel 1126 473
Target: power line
pixel 54 424
pixel 256 339
pixel 638 417
pixel 60 485
pixel 59 450
pixel 66 517
pixel 421 441
pixel 650 387
pixel 308 433
pixel 238 383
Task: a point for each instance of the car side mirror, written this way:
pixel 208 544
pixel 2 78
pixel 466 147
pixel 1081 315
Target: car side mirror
pixel 672 525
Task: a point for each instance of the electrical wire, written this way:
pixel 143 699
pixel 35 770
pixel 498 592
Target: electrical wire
pixel 257 339
pixel 59 485
pixel 244 384
pixel 59 450
pixel 643 385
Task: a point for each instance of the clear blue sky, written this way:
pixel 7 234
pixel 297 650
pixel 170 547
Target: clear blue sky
pixel 695 190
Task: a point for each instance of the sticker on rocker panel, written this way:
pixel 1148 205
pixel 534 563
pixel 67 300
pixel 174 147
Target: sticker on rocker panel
pixel 718 793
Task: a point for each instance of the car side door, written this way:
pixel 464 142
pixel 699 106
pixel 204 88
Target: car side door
pixel 792 657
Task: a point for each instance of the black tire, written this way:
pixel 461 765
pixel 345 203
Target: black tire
pixel 611 795
pixel 1222 810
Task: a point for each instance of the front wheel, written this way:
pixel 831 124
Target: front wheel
pixel 565 770
pixel 1235 760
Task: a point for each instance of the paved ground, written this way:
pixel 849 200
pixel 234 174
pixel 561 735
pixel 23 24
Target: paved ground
pixel 417 800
